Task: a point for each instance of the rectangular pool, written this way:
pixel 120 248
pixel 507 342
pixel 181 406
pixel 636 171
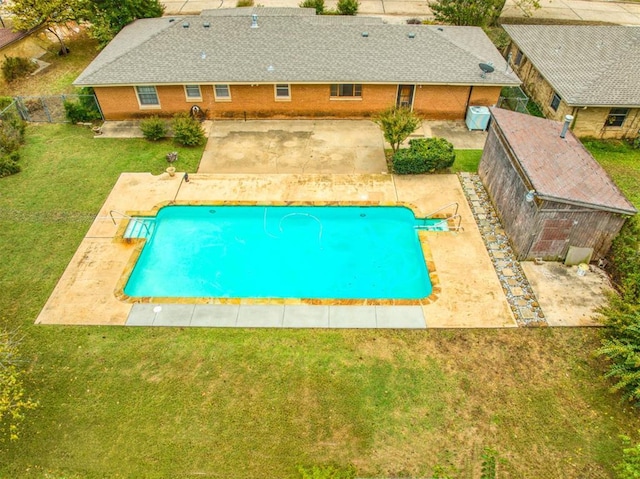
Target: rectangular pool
pixel 314 252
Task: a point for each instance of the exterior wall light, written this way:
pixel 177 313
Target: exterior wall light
pixel 530 196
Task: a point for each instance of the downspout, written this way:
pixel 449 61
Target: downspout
pixel 468 99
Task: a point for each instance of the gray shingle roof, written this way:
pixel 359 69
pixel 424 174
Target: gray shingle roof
pixel 587 65
pixel 293 48
pixel 559 169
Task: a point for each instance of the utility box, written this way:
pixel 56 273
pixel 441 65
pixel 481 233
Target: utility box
pixel 478 118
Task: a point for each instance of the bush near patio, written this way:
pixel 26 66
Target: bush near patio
pixel 187 131
pixel 154 128
pixel 424 155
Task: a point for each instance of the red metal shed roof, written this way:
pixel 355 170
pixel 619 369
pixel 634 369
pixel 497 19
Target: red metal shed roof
pixel 559 169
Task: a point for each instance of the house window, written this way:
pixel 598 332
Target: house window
pixel 147 96
pixel 283 92
pixel 193 92
pixel 518 59
pixel 555 102
pixel 346 90
pixel 222 92
pixel 617 116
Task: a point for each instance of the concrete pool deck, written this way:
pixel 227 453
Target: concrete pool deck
pixel 470 293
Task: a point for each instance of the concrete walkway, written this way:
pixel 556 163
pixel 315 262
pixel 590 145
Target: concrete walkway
pixel 398 11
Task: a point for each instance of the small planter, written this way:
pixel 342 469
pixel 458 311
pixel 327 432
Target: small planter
pixel 171 170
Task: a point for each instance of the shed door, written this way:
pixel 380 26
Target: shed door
pixel 552 241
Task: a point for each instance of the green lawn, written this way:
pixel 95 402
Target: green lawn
pixel 174 402
pixel 57 77
pixel 621 162
pixel 466 160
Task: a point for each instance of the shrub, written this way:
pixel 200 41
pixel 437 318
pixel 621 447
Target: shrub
pixel 424 155
pixel 244 3
pixel 397 124
pixel 629 468
pixel 17 67
pixel 317 4
pixel 187 131
pixel 624 261
pixel 8 165
pixel 12 131
pixel 348 7
pixel 154 128
pixel 78 113
pixel 5 101
pixel 84 108
pixel 635 143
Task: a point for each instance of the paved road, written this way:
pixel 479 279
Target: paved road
pixel 397 11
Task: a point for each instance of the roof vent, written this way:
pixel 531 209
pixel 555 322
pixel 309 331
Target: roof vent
pixel 411 34
pixel 567 121
pixel 365 34
pixel 254 21
pixel 206 24
pixel 185 25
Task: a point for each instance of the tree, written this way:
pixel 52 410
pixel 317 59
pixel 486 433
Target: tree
pixel 476 12
pixel 397 124
pixel 51 14
pixel 13 403
pixel 108 17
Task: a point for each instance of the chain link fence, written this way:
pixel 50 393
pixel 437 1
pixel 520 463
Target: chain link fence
pixel 514 99
pixel 50 108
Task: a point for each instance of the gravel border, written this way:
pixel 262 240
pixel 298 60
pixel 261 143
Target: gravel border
pixel 516 287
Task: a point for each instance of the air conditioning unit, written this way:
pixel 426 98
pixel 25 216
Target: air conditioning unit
pixel 478 118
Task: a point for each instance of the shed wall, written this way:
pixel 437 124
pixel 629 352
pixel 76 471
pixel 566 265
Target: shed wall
pixel 507 191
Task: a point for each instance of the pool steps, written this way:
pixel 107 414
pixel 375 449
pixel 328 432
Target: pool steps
pixel 140 228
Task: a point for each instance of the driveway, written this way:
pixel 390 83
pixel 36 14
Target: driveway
pixel 294 146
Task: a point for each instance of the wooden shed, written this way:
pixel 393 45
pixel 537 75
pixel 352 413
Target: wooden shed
pixel 548 190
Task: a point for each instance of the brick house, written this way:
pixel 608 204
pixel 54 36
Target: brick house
pixel 589 72
pixel 288 62
pixel 548 190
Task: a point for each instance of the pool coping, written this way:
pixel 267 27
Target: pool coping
pixel 466 290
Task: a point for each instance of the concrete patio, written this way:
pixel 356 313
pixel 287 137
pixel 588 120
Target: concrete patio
pixel 469 293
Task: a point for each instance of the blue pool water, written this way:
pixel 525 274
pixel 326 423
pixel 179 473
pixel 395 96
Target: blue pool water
pixel 282 252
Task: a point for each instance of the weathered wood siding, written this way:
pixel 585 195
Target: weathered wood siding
pixel 506 190
pixel 540 229
pixel 559 225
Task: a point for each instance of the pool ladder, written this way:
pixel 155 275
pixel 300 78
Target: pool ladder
pixel 137 227
pixel 455 218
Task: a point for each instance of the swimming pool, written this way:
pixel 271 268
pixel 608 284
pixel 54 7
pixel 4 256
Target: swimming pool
pixel 315 252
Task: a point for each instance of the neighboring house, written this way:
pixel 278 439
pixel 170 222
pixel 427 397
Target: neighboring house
pixel 20 44
pixel 549 192
pixel 266 62
pixel 589 72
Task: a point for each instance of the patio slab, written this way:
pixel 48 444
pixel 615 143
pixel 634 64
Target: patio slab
pixel 352 317
pixel 566 298
pixel 215 315
pixel 469 294
pixel 306 316
pixel 293 146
